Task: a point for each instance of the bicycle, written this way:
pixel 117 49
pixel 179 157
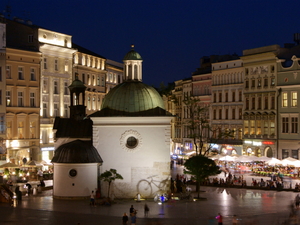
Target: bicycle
pixel 149 188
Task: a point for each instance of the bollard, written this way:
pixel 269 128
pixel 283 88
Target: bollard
pixel 14 201
pixel 34 191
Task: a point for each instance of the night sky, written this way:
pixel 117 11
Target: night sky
pixel 170 35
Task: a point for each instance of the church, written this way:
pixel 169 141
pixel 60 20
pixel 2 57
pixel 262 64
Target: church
pixel 132 134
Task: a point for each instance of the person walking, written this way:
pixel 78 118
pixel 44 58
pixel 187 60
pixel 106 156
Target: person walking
pixel 219 217
pixel 234 220
pixel 133 218
pixel 92 199
pixel 131 210
pixel 125 219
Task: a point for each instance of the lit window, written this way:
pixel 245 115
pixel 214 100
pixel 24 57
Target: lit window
pixel 252 126
pixel 294 99
pixel 284 99
pixel 8 102
pixel 66 66
pixel 32 129
pixel 246 127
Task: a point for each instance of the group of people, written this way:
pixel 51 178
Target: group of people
pixel 132 213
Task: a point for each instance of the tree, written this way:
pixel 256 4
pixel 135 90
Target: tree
pixel 199 128
pixel 200 167
pixel 109 176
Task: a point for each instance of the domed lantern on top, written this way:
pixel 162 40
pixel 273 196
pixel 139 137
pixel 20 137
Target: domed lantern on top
pixel 77 96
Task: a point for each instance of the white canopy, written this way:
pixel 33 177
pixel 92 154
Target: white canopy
pixel 273 162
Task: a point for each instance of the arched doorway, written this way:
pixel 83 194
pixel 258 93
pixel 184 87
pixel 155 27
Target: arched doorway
pixel 269 152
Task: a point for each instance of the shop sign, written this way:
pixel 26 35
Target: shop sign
pixel 268 142
pixel 256 143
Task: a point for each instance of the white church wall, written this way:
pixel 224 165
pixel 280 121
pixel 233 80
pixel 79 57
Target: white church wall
pixel 80 185
pixel 151 157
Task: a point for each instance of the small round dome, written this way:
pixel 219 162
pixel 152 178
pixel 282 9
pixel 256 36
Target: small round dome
pixel 77 151
pixel 133 96
pixel 77 85
pixel 132 55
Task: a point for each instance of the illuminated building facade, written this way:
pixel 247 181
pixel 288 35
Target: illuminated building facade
pixel 260 110
pixel 227 104
pixel 90 68
pixel 114 74
pixel 22 104
pixel 288 84
pixel 58 63
pixel 56 76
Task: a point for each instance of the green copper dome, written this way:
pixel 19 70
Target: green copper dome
pixel 132 96
pixel 77 85
pixel 132 55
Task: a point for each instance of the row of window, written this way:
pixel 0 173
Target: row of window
pixel 258 104
pixel 21 130
pixel 91 80
pixel 289 124
pixel 55 87
pixel 293 99
pixel 259 127
pixel 233 78
pixel 56 110
pixel 233 97
pixel 21 73
pixel 32 99
pixel 259 82
pixel 90 61
pixel 226 116
pixel 56 65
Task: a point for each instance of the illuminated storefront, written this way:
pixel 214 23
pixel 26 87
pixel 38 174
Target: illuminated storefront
pixel 259 148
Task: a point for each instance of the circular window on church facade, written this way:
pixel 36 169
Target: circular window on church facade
pixel 131 141
pixel 73 173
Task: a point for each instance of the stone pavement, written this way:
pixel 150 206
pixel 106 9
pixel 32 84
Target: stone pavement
pixel 250 205
pixel 260 207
